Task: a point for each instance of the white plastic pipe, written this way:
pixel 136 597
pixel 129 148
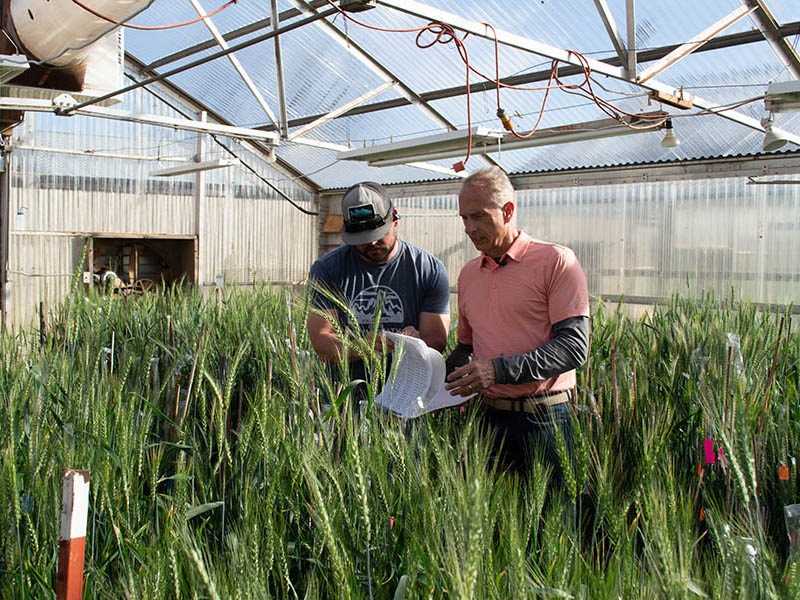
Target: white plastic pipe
pixel 47 27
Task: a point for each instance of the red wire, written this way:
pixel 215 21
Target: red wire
pixel 154 27
pixel 496 62
pixel 444 34
pixel 541 111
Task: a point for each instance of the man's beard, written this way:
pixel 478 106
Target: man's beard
pixel 377 257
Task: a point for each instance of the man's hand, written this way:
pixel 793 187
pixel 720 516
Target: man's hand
pixel 411 331
pixel 472 378
pixel 384 344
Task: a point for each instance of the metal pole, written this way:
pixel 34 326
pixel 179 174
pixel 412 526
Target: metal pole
pixel 284 124
pixel 630 68
pixel 199 209
pixel 5 234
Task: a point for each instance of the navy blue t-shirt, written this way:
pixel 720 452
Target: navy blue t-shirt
pixel 413 281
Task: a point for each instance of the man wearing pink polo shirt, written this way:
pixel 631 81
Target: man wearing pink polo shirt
pixel 523 323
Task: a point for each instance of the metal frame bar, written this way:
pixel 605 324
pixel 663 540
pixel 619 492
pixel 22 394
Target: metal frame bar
pixel 235 62
pixel 630 16
pixel 251 42
pixel 279 70
pixel 611 28
pixel 169 93
pixel 340 148
pixel 5 233
pixel 563 134
pixel 200 210
pixel 723 41
pixel 516 41
pixel 176 159
pixel 769 28
pixel 41 105
pixel 379 69
pixel 675 170
pixel 341 110
pixel 693 44
pixel 195 167
pixel 231 35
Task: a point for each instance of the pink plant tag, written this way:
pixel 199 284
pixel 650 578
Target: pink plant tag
pixel 391 523
pixel 708 445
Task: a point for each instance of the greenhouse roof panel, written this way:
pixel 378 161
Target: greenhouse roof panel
pixel 329 65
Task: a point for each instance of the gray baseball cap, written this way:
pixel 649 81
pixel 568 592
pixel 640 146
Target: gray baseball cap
pixel 368 213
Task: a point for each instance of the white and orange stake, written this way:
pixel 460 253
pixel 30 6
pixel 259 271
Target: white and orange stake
pixel 74 511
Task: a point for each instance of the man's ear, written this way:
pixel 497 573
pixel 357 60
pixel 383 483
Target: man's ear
pixel 508 211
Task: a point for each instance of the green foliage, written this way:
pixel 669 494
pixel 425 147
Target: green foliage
pixel 215 473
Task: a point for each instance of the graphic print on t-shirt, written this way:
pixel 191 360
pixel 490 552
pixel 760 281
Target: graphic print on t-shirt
pixel 366 304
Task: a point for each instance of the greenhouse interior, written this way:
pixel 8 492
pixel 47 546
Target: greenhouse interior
pixel 262 332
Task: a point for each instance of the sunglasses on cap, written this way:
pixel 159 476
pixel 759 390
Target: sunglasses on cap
pixel 363 217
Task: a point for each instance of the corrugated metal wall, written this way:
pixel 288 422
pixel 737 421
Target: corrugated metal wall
pixel 648 239
pixel 72 177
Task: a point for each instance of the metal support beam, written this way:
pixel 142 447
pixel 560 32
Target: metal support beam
pixel 515 41
pixel 512 40
pixel 259 25
pixel 200 210
pixel 341 110
pixel 769 28
pixel 630 13
pixel 376 67
pixel 611 28
pixel 201 61
pixel 693 44
pixel 279 70
pixel 723 41
pixel 5 234
pixel 236 63
pixel 41 105
pixel 166 91
pixel 340 148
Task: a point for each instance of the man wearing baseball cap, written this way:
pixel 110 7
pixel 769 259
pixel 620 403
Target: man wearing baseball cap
pixel 373 270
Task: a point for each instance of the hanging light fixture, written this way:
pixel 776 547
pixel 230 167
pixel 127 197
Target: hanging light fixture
pixel 670 139
pixel 772 140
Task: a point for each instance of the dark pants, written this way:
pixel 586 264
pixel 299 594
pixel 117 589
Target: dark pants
pixel 520 434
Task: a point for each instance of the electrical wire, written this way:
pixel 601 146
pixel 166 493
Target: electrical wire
pixel 444 34
pixel 265 180
pixel 124 23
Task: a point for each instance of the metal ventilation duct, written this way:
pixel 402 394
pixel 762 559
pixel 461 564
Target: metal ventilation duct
pixel 47 27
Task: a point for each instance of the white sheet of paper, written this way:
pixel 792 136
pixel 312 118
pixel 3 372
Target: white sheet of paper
pixel 418 385
pixel 443 399
pixel 412 379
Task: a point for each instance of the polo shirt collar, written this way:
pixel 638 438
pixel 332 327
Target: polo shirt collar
pixel 515 252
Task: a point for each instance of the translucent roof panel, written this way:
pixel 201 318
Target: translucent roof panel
pixel 323 71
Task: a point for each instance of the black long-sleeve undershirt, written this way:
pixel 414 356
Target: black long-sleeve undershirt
pixel 567 350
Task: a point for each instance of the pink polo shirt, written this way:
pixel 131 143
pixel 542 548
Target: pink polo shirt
pixel 510 308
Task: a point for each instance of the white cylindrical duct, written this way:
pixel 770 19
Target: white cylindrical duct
pixel 47 27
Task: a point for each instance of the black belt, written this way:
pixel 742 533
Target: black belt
pixel 528 404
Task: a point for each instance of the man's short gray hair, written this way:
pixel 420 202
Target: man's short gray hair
pixel 493 179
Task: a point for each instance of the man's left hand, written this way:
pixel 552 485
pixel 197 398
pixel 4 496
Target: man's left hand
pixel 472 378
